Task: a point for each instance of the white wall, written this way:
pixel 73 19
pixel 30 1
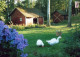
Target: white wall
pixel 29 21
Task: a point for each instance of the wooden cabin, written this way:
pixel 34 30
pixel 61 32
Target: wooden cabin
pixel 26 16
pixel 59 16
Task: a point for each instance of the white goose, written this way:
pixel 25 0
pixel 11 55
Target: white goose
pixel 53 41
pixel 40 43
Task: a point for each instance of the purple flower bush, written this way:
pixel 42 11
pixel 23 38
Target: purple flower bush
pixel 11 43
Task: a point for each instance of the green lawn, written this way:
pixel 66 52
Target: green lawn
pixel 45 34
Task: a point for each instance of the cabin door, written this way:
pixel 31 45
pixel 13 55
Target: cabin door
pixel 29 21
pixel 35 20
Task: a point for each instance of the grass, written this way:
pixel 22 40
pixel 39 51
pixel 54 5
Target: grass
pixel 45 34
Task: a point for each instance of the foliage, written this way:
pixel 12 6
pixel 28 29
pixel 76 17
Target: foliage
pixel 35 26
pixel 11 43
pixel 7 21
pixel 78 14
pixel 17 27
pixel 11 5
pixel 72 43
pixel 28 4
pixel 54 5
pixel 42 5
pixel 2 18
pixel 20 4
pixel 76 18
pixel 2 6
pixel 2 9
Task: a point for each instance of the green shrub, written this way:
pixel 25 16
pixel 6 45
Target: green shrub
pixel 78 14
pixel 7 21
pixel 2 18
pixel 35 26
pixel 73 43
pixel 30 26
pixel 17 27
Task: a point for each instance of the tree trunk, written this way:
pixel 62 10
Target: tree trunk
pixel 66 6
pixel 69 13
pixel 48 12
pixel 8 9
pixel 11 5
pixel 32 3
pixel 28 4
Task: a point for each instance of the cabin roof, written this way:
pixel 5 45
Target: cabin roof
pixel 61 12
pixel 29 12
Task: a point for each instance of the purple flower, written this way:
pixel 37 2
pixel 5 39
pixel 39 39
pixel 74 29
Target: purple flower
pixel 14 30
pixel 1 23
pixel 20 46
pixel 1 26
pixel 21 36
pixel 24 55
pixel 0 41
pixel 15 41
pixel 0 38
pixel 25 42
pixel 12 39
pixel 5 26
pixel 6 32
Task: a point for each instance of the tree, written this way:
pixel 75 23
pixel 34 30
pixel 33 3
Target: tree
pixel 58 5
pixel 26 3
pixel 69 13
pixel 2 7
pixel 48 12
pixel 8 3
pixel 11 5
pixel 32 3
pixel 19 4
pixel 42 5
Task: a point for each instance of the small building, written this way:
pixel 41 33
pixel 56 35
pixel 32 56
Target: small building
pixel 59 16
pixel 27 16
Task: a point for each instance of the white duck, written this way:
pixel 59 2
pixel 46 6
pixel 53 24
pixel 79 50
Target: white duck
pixel 53 41
pixel 39 43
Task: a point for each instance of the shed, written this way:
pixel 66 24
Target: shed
pixel 59 16
pixel 27 16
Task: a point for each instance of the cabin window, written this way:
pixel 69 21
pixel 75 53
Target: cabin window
pixel 20 19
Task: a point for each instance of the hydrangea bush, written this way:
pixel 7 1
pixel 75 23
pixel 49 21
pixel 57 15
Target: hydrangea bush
pixel 11 43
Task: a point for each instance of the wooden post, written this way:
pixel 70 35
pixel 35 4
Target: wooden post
pixel 69 13
pixel 43 20
pixel 48 12
pixel 38 20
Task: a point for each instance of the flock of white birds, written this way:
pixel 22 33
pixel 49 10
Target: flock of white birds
pixel 50 42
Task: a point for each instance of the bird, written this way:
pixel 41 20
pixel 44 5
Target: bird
pixel 40 43
pixel 53 41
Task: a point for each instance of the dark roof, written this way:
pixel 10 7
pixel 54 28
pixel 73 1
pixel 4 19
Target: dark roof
pixel 30 12
pixel 61 12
